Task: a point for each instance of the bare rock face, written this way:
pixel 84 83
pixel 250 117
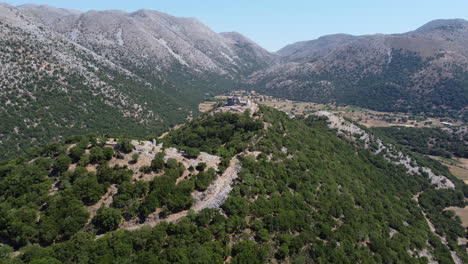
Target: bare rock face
pixel 148 37
pixel 49 83
pixel 389 152
pixel 67 72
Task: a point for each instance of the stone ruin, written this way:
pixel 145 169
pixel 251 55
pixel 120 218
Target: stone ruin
pixel 237 101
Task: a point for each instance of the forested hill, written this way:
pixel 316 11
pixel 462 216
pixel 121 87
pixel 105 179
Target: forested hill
pixel 289 191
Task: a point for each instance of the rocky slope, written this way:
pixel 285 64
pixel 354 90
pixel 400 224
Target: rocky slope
pixel 268 189
pixel 52 87
pixel 67 72
pixel 419 71
pixel 153 41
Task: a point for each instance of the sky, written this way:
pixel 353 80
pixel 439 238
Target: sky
pixel 275 23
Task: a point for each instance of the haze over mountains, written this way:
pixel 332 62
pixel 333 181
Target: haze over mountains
pixel 66 72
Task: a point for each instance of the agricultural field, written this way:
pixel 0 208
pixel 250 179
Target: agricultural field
pixel 363 116
pixel 457 166
pixel 366 117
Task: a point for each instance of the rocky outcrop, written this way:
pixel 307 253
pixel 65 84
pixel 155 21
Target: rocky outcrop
pixel 151 36
pixel 389 152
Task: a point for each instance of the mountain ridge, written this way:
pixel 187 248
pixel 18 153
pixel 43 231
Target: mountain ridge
pixel 181 62
pixel 158 64
pixel 265 188
pixel 422 72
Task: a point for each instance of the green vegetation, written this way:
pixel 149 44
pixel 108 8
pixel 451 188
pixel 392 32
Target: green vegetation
pixel 45 99
pixel 450 161
pixel 429 141
pixel 220 134
pixel 107 219
pixel 393 89
pixel 309 197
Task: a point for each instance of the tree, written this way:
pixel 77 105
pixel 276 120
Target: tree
pixel 172 163
pixel 263 235
pixel 135 158
pixel 157 164
pixel 124 145
pixel 201 166
pixel 76 152
pixel 62 162
pixel 108 153
pixel 46 260
pixel 97 155
pixel 5 251
pixel 107 219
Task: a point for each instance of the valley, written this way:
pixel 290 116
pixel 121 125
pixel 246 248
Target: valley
pixel 363 116
pixel 142 137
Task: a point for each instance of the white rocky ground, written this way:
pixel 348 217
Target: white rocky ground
pixel 213 197
pixel 147 35
pixel 390 153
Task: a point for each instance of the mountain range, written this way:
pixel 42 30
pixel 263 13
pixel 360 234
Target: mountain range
pixel 243 183
pixel 421 72
pixel 66 72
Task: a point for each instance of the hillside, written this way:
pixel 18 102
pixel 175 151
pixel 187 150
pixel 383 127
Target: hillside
pixel 52 88
pixel 66 72
pixel 157 46
pixel 445 142
pixel 422 71
pixel 254 187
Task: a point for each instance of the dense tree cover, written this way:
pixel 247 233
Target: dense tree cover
pixel 310 197
pixel 166 194
pixel 429 141
pixel 223 134
pixel 107 219
pixel 42 201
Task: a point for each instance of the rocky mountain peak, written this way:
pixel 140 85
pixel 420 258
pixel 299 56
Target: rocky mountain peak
pixel 444 24
pixel 154 38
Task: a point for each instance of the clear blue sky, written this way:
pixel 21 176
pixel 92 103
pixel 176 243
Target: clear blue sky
pixel 276 23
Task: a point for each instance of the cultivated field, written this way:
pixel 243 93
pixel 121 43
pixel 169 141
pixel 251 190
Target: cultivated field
pixel 363 116
pixel 457 166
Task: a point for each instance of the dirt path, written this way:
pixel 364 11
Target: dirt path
pixel 444 241
pixel 105 200
pixel 213 197
pixel 219 190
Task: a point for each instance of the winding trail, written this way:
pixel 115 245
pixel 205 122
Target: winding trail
pixel 213 197
pixel 105 200
pixel 444 241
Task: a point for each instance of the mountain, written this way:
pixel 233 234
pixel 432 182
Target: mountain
pixel 52 88
pixel 66 72
pixel 306 50
pixel 245 188
pixel 153 37
pixel 421 72
pixel 155 45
